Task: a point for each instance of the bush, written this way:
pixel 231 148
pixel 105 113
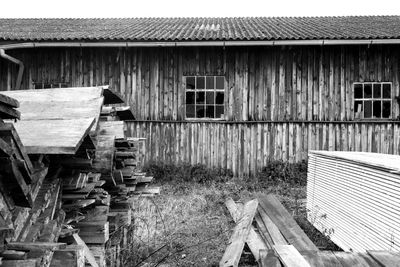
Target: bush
pixel 185 172
pixel 279 172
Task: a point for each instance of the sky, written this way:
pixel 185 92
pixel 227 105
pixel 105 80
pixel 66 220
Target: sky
pixel 203 8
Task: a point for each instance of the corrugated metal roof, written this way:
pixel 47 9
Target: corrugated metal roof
pixel 201 29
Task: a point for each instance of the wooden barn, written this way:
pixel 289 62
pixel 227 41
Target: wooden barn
pixel 229 93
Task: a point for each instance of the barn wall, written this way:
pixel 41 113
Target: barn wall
pixel 279 101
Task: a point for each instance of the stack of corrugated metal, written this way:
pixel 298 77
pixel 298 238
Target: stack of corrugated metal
pixel 355 198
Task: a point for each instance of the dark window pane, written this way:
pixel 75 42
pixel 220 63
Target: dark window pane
pixel 358 90
pixel 190 97
pixel 200 111
pixel 219 112
pixel 210 98
pixel 200 83
pixel 190 83
pixel 210 111
pixel 219 99
pixel 377 90
pixel 200 97
pixel 358 109
pixel 220 80
pixel 190 111
pixel 367 109
pixel 386 109
pixel 367 90
pixel 210 82
pixel 386 90
pixel 377 109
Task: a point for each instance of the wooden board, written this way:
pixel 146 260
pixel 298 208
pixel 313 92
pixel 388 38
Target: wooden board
pixel 286 224
pixel 290 256
pixel 61 110
pixel 9 101
pixel 115 128
pixel 386 259
pixel 234 249
pixel 254 240
pixel 56 94
pixel 88 254
pixel 53 136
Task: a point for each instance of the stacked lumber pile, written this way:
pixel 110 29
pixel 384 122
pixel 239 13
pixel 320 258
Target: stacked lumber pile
pixel 30 214
pixel 356 196
pixel 275 239
pixel 72 196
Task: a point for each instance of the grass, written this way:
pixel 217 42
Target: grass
pixel 188 224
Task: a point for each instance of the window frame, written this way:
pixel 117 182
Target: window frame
pixel 205 90
pixel 372 99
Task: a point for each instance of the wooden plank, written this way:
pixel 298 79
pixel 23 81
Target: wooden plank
pixel 61 110
pixel 385 258
pixel 269 259
pixel 53 136
pixel 286 224
pixel 56 94
pixel 273 230
pixel 290 256
pixel 27 246
pixel 234 249
pixel 254 240
pixel 88 254
pixel 9 101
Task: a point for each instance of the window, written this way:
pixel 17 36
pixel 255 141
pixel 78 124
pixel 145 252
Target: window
pixel 205 97
pixel 372 100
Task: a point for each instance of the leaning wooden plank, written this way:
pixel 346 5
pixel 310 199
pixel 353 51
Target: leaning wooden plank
pixel 234 249
pixel 57 94
pixel 10 135
pixel 88 254
pixel 272 229
pixel 290 256
pixel 53 136
pixel 385 258
pixel 254 240
pixel 9 101
pixel 5 149
pixel 26 246
pixel 286 224
pixel 268 259
pixel 353 259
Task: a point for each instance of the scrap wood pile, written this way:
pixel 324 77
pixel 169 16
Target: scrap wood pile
pixel 275 239
pixel 68 182
pixel 359 193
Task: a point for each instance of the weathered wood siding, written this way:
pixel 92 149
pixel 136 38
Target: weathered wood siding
pixel 279 101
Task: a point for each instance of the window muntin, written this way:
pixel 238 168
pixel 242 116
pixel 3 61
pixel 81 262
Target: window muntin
pixel 205 97
pixel 372 100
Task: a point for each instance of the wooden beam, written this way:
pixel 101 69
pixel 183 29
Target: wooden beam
pixel 88 254
pixel 234 249
pixel 290 256
pixel 254 240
